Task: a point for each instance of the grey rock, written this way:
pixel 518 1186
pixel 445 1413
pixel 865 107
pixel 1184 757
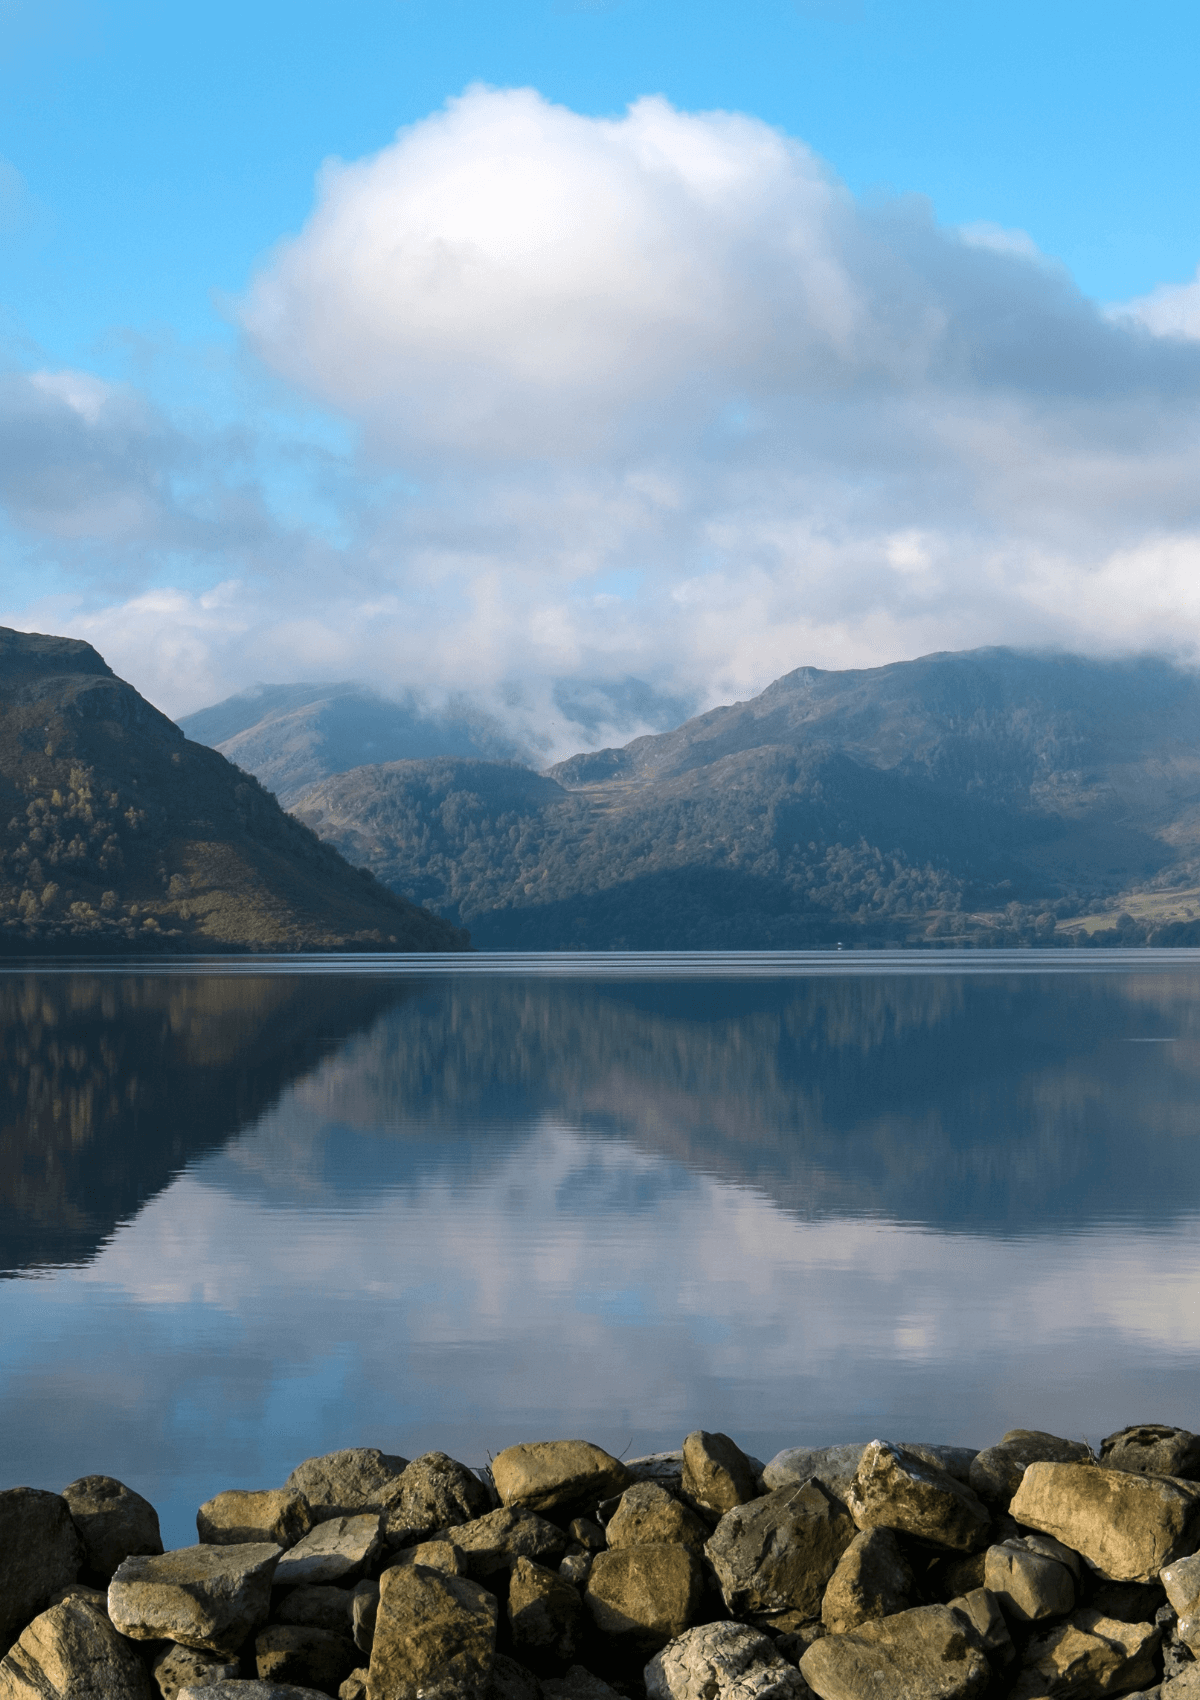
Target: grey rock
pixel 557 1476
pixel 435 1637
pixel 717 1474
pixel 872 1579
pixel 955 1460
pixel 925 1653
pixel 40 1551
pixel 1088 1655
pixel 996 1472
pixel 174 1667
pixel 722 1661
pixel 546 1614
pixel 339 1549
pixel 895 1489
pixel 363 1614
pixel 495 1542
pixel 238 1689
pixel 112 1521
pixel 1182 1583
pixel 318 1608
pixel 578 1684
pixel 72 1652
pixel 576 1567
pixel 642 1597
pixel 434 1492
pixel 649 1515
pixel 1152 1449
pixel 305 1657
pixel 980 1611
pixel 347 1483
pixel 1127 1527
pixel 833 1466
pixel 203 1596
pixel 666 1468
pixel 1030 1585
pixel 237 1517
pixel 777 1554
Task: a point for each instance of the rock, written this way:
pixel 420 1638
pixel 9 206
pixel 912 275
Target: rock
pixel 956 1574
pixel 436 1555
pixel 722 1661
pixel 1152 1449
pixel 363 1615
pixel 318 1608
pixel 980 1612
pixel 40 1551
pixel 545 1612
pixel 495 1542
pixel 641 1597
pixel 203 1596
pixel 833 1466
pixel 925 1653
pixel 716 1472
pixel 1128 1602
pixel 578 1684
pixel 305 1657
pixel 776 1554
pixel 589 1534
pixel 240 1690
pixel 175 1667
pixel 1184 1686
pixel 72 1652
pixel 895 1489
pixel 557 1476
pixel 665 1468
pixel 348 1483
pixel 1089 1655
pixel 996 1472
pixel 339 1549
pixel 1182 1583
pixel 872 1579
pixel 576 1568
pixel 355 1685
pixel 435 1637
pixel 649 1515
pixel 513 1681
pixel 236 1517
pixel 1029 1584
pixel 80 1591
pixel 1127 1527
pixel 955 1460
pixel 434 1492
pixel 112 1521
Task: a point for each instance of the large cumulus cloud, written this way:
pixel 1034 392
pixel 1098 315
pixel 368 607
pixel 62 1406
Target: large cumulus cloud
pixel 654 395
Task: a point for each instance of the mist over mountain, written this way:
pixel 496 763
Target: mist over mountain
pixel 989 795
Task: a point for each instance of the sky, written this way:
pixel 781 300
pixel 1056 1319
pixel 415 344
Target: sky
pixel 526 352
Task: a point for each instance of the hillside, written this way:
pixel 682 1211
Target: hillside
pixel 990 796
pixel 290 736
pixel 117 833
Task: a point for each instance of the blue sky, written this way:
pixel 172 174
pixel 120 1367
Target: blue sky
pixel 155 157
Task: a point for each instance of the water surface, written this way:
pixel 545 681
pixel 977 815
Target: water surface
pixel 249 1212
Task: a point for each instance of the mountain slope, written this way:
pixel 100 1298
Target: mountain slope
pixel 891 804
pixel 291 736
pixel 116 832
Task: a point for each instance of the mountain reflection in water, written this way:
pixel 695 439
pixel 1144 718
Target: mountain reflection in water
pixel 267 1215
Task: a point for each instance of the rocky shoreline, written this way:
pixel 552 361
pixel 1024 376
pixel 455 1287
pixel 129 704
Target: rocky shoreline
pixel 1033 1569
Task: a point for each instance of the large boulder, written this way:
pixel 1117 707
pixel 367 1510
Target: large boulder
pixel 1087 1656
pixel 872 1579
pixel 648 1515
pixel 347 1483
pixel 1126 1526
pixel 722 1661
pixel 40 1552
pixel 894 1489
pixel 665 1468
pixel 493 1543
pixel 1030 1578
pixel 981 1614
pixel 435 1637
pixel 174 1667
pixel 203 1596
pixel 834 1467
pixel 238 1517
pixel 717 1474
pixel 557 1477
pixel 340 1549
pixel 72 1652
pixel 1152 1449
pixel 777 1553
pixel 434 1492
pixel 112 1521
pixel 305 1657
pixel 996 1472
pixel 925 1653
pixel 546 1615
pixel 642 1597
pixel 318 1608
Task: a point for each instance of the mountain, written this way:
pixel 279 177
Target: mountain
pixel 290 736
pixel 117 833
pixel 990 796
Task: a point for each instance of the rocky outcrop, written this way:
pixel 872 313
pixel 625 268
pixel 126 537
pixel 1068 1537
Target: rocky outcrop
pixel 905 1584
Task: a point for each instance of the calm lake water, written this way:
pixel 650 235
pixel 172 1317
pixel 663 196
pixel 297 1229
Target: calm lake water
pixel 251 1212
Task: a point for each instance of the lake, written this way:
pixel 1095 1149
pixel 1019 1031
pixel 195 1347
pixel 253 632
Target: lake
pixel 256 1210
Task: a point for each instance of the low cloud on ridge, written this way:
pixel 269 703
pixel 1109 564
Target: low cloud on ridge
pixel 649 397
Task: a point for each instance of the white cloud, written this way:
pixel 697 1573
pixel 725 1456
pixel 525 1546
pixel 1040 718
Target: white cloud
pixel 650 395
pixel 1173 309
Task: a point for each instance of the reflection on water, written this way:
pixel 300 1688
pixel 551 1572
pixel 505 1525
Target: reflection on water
pixel 296 1212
